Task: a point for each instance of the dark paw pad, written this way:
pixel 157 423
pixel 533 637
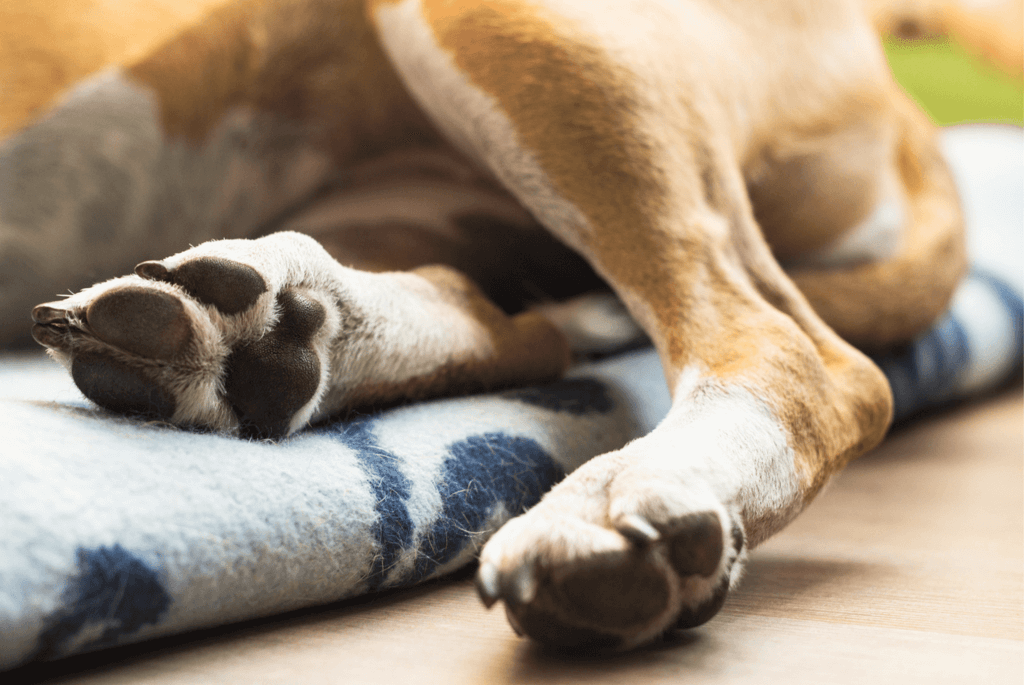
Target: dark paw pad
pixel 269 380
pixel 623 592
pixel 120 388
pixel 229 286
pixel 148 323
pixel 551 630
pixel 695 544
pixel 691 618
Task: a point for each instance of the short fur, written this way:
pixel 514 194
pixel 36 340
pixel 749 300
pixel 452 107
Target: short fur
pixel 683 149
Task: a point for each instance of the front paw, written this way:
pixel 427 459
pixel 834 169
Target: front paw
pixel 199 339
pixel 613 562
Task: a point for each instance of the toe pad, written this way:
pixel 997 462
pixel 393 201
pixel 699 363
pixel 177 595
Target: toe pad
pixel 149 323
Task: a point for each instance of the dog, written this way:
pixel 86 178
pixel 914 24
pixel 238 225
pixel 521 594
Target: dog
pixel 413 198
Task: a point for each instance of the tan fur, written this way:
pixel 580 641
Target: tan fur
pixel 906 292
pixel 312 62
pixel 47 45
pixel 526 346
pixel 682 149
pixel 666 219
pixel 625 200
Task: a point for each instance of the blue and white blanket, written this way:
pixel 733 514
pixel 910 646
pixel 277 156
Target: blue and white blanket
pixel 113 530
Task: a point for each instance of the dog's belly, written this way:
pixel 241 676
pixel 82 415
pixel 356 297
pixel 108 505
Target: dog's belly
pixel 418 206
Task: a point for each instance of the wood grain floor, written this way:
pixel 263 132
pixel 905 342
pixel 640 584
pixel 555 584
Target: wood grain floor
pixel 908 569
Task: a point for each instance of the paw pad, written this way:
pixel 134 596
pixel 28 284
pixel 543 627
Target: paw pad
pixel 269 380
pixel 695 544
pixel 149 323
pixel 120 388
pixel 228 285
pixel 674 572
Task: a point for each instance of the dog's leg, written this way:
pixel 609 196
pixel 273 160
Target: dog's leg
pixel 217 133
pixel 768 402
pixel 266 335
pixel 878 303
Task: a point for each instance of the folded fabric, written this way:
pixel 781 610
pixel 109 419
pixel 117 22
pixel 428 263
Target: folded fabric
pixel 116 530
pixel 976 346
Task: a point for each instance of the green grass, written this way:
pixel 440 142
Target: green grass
pixel 954 86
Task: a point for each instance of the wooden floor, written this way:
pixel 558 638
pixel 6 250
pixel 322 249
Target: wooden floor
pixel 908 569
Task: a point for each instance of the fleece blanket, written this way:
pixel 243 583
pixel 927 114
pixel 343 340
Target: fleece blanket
pixel 116 530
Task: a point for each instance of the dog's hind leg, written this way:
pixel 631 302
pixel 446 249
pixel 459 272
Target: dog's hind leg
pixel 216 133
pixel 768 402
pixel 263 336
pixel 876 304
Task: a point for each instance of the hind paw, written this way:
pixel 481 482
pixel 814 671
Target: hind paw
pixel 220 336
pixel 613 560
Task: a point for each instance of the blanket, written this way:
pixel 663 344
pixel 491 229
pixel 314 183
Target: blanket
pixel 116 530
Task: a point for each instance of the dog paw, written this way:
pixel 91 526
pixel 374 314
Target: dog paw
pixel 613 562
pixel 214 337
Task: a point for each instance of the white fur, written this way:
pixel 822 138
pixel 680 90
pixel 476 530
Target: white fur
pixel 412 329
pixel 592 323
pixel 875 239
pixel 418 328
pixel 740 449
pixel 470 118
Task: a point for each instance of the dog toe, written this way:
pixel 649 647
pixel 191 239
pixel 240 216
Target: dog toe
pixel 119 387
pixel 284 360
pixel 153 271
pixel 230 286
pixel 695 544
pixel 598 601
pixel 150 323
pixel 704 611
pixel 614 566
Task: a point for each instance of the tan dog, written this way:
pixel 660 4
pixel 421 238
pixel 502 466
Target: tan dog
pixel 684 148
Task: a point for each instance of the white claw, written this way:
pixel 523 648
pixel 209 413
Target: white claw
pixel 638 529
pixel 524 585
pixel 487 584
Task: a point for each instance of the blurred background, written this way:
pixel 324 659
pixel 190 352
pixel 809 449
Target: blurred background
pixel 955 86
pixel 962 60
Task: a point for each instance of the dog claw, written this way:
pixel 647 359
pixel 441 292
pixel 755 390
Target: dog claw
pixel 487 584
pixel 520 588
pixel 152 271
pixel 638 529
pixel 50 329
pixel 523 588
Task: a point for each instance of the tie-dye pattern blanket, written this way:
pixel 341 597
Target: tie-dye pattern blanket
pixel 116 530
